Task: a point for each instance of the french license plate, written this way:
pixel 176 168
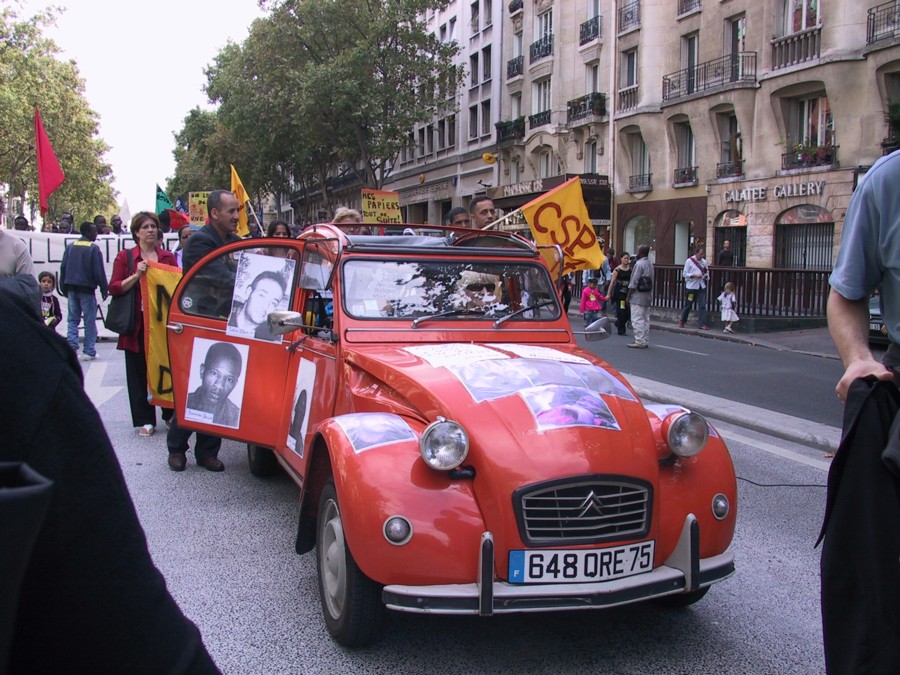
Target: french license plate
pixel 569 566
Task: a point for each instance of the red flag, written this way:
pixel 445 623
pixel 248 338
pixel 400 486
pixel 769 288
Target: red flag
pixel 50 173
pixel 177 219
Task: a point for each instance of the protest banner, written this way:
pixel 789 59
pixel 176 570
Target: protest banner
pixel 157 288
pixel 197 208
pixel 381 207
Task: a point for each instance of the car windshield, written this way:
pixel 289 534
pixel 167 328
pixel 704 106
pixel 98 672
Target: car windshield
pixel 457 289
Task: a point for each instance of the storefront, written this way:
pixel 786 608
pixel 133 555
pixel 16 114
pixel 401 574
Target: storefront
pixel 595 190
pixel 669 226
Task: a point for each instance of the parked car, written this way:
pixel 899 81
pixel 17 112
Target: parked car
pixel 456 450
pixel 878 333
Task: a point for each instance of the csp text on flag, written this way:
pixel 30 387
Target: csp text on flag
pixel 561 218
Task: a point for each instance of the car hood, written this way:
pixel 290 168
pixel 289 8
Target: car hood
pixel 532 413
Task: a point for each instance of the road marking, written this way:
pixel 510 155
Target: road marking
pixel 686 351
pixel 93 383
pixel 775 450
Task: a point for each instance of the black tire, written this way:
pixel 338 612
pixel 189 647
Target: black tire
pixel 351 602
pixel 262 461
pixel 683 599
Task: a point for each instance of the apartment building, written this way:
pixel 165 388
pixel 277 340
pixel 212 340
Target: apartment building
pixel 750 121
pixel 451 159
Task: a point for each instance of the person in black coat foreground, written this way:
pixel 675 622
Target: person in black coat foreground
pixel 91 599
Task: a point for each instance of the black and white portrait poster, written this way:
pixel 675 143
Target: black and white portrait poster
pixel 216 383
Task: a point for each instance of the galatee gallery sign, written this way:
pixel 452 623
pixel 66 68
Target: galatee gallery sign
pixel 761 194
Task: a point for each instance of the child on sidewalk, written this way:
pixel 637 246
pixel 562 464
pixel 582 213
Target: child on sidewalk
pixel 50 310
pixel 728 302
pixel 591 297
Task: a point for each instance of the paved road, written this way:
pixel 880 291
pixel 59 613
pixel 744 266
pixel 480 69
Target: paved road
pixel 225 545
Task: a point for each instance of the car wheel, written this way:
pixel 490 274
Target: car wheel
pixel 261 460
pixel 683 599
pixel 351 602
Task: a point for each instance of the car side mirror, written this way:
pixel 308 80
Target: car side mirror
pixel 598 330
pixel 281 323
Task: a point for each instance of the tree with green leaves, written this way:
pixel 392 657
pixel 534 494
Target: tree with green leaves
pixel 32 75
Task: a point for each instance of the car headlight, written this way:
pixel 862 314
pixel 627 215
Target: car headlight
pixel 444 445
pixel 687 434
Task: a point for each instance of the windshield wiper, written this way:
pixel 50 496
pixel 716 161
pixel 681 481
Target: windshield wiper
pixel 536 305
pixel 449 312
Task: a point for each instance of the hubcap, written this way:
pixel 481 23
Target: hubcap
pixel 333 561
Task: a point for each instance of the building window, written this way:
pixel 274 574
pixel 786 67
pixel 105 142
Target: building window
pixel 429 139
pixel 486 125
pixel 592 78
pixel 730 156
pixel 628 77
pixel 486 12
pixel 421 142
pixel 516 106
pixel 590 157
pixel 518 45
pixel 474 19
pixel 690 49
pixel 451 131
pixel 473 70
pixel 799 15
pixel 451 33
pixel 473 121
pixel 441 134
pixel 542 96
pixel 444 33
pixel 514 175
pixel 804 238
pixel 544 25
pixel 640 163
pixel 486 64
pixel 546 165
pixel 686 171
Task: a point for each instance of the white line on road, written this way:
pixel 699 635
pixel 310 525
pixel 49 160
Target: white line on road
pixel 775 450
pixel 686 351
pixel 93 383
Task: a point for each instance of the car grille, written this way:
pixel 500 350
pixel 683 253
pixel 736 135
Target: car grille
pixel 583 510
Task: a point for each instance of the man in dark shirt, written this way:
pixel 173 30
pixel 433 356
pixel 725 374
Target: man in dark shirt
pixel 90 599
pixel 223 208
pixel 725 257
pixel 81 273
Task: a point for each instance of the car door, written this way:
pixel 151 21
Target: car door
pixel 228 370
pixel 313 373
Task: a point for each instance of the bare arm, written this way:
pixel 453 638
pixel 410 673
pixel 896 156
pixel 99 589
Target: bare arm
pixel 848 323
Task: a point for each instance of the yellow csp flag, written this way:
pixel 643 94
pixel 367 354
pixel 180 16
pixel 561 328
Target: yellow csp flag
pixel 237 187
pixel 157 288
pixel 560 217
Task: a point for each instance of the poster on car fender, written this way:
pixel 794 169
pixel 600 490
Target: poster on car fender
pixel 157 288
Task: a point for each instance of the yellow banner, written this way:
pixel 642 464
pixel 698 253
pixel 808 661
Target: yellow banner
pixel 197 208
pixel 381 207
pixel 560 217
pixel 157 288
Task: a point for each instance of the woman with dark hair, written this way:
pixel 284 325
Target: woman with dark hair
pixel 278 229
pixel 618 292
pixel 125 277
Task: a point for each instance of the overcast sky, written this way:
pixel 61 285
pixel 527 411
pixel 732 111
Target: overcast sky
pixel 143 63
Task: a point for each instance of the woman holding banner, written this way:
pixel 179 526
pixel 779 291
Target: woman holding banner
pixel 126 277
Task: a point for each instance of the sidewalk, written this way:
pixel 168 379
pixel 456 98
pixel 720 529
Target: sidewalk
pixel 812 341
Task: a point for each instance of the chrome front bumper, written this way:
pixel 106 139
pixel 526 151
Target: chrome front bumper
pixel 683 572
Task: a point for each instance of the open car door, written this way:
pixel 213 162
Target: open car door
pixel 228 370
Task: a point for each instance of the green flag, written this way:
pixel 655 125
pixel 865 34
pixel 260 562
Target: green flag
pixel 162 201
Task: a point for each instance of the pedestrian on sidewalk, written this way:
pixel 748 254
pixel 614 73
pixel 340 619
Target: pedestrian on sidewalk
pixel 618 292
pixel 81 273
pixel 728 303
pixel 591 297
pixel 640 297
pixel 696 278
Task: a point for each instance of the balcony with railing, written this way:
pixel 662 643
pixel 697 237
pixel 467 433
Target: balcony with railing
pixel 541 48
pixel 629 16
pixel 515 67
pixel 586 108
pixel 516 6
pixel 539 119
pixel 640 182
pixel 686 175
pixel 730 169
pixel 685 6
pixel 510 131
pixel 796 48
pixel 883 22
pixel 804 156
pixel 589 30
pixel 627 99
pixel 738 68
